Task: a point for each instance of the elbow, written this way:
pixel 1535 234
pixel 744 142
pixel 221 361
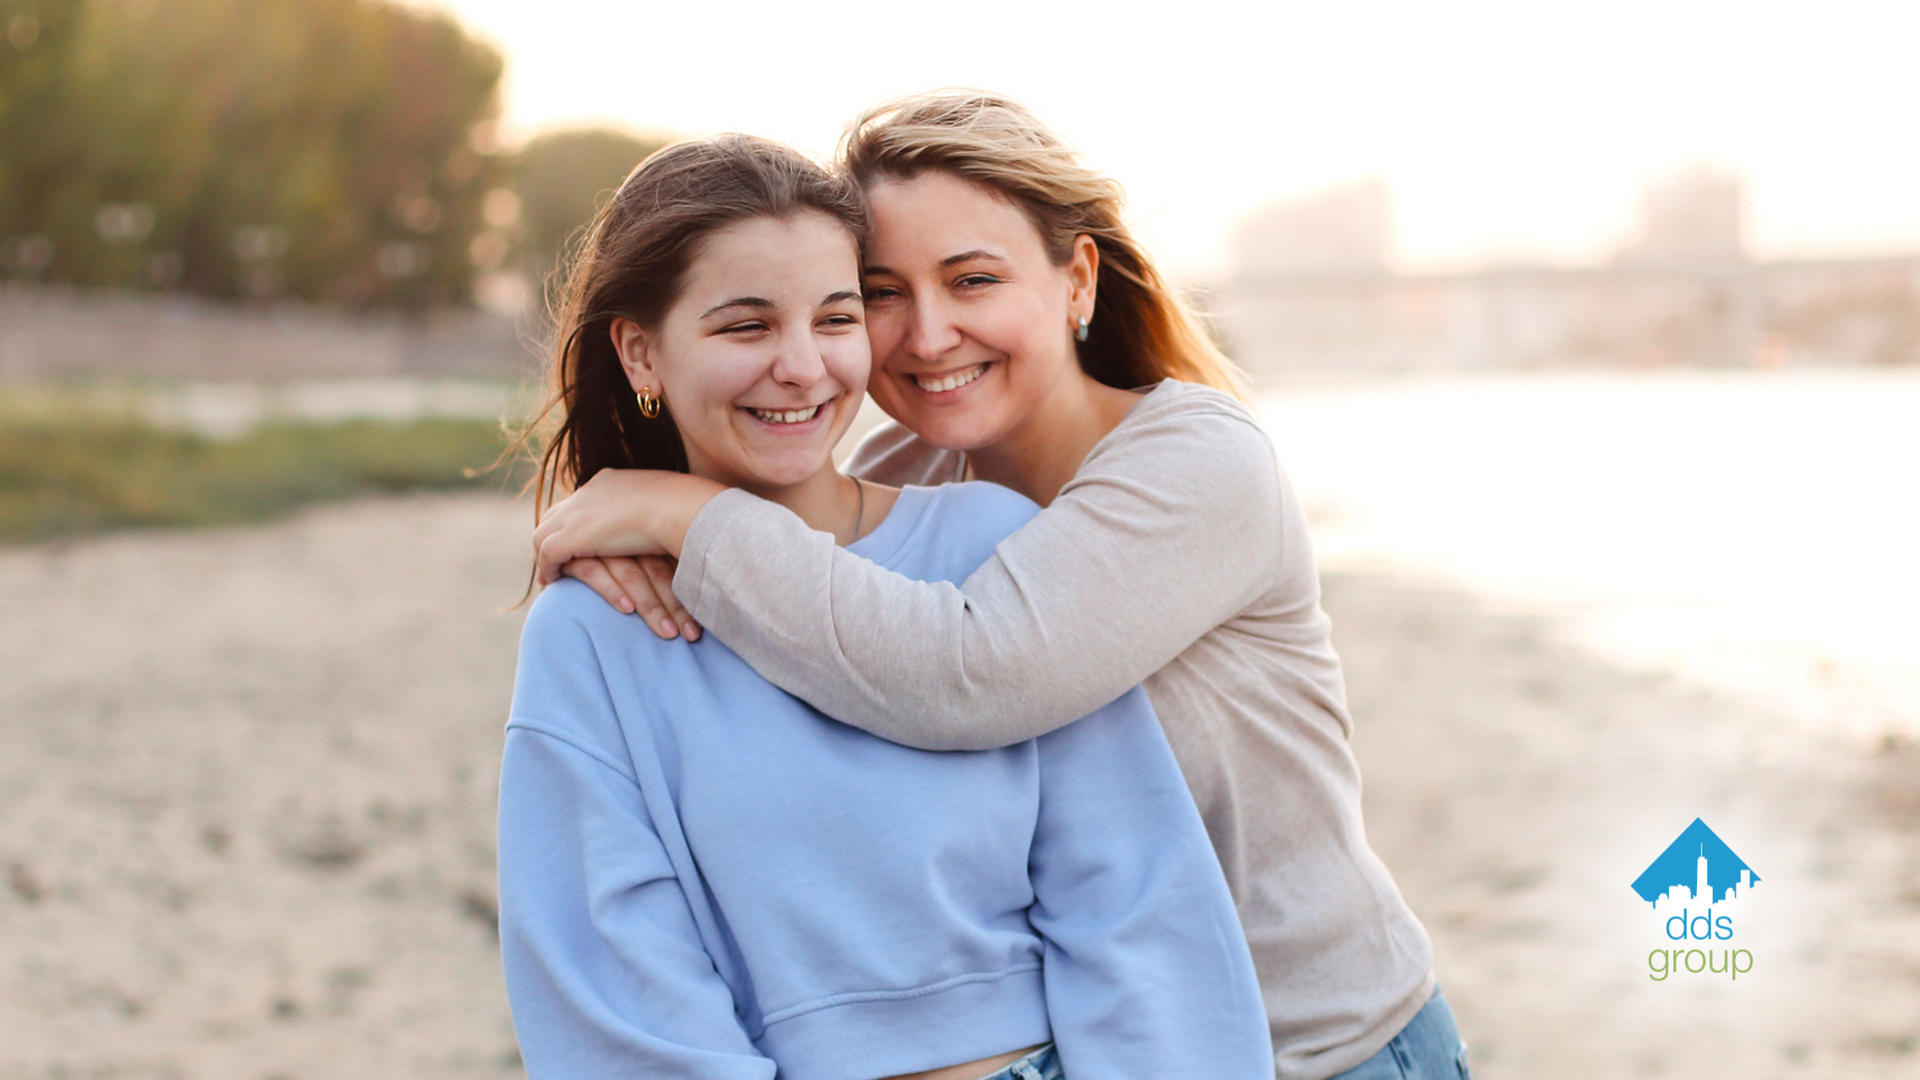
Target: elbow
pixel 960 739
pixel 994 705
pixel 966 724
pixel 949 732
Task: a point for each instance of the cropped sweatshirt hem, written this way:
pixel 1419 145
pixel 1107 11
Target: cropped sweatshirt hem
pixel 949 1019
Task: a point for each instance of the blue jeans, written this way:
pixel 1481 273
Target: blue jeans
pixel 1428 1048
pixel 1042 1064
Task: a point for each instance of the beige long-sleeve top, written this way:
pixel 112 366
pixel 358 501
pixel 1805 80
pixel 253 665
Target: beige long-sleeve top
pixel 1178 556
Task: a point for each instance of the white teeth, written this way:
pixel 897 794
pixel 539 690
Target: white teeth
pixel 950 382
pixel 786 416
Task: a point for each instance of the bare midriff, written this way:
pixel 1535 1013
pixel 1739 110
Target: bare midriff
pixel 972 1070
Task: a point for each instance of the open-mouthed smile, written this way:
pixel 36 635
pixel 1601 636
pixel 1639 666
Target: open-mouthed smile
pixel 784 417
pixel 953 380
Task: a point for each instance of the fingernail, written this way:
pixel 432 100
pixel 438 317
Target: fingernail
pixel 625 605
pixel 691 631
pixel 667 628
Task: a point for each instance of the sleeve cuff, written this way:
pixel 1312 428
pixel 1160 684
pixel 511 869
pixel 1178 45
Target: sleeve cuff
pixel 712 523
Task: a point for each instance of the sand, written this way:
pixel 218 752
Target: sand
pixel 247 797
pixel 1517 784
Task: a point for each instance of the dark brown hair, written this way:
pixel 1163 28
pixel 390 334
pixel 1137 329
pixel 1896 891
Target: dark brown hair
pixel 1140 332
pixel 632 264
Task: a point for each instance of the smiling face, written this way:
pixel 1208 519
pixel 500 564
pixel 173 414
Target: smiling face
pixel 971 322
pixel 763 359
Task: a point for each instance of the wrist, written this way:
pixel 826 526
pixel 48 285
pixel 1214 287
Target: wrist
pixel 682 499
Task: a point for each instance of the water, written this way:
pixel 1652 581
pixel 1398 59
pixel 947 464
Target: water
pixel 1757 533
pixel 228 410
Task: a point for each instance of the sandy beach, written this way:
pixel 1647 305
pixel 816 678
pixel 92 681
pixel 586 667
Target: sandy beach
pixel 247 798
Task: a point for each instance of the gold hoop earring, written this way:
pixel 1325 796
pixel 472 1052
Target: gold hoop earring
pixel 649 405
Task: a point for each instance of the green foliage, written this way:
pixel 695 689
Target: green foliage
pixel 320 149
pixel 562 178
pixel 62 475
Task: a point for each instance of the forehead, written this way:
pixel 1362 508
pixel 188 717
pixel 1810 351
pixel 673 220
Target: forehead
pixel 936 214
pixel 785 259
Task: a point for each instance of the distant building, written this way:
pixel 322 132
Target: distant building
pixel 1346 229
pixel 1693 217
pixel 1312 292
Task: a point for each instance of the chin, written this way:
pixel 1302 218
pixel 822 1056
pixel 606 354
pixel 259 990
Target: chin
pixel 958 437
pixel 787 472
pixel 948 430
pixel 776 477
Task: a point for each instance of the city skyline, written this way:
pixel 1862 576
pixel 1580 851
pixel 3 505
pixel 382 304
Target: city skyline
pixel 1506 132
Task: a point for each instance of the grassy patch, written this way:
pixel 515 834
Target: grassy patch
pixel 62 475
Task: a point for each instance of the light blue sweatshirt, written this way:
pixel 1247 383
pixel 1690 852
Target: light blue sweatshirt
pixel 703 878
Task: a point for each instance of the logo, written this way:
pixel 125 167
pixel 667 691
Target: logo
pixel 1696 887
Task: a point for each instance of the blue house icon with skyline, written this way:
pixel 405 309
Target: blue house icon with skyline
pixel 1700 863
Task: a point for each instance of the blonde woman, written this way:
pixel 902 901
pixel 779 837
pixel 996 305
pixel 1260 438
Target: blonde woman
pixel 1022 336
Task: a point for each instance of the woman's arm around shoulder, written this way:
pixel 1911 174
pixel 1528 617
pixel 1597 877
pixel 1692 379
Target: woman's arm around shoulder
pixel 1173 525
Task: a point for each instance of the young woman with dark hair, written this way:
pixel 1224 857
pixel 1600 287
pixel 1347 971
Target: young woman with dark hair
pixel 702 877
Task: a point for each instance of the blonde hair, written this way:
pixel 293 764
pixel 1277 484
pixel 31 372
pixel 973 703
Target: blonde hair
pixel 1141 332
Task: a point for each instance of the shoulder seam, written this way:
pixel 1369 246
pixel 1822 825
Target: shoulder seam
pixel 1168 423
pixel 1204 399
pixel 535 727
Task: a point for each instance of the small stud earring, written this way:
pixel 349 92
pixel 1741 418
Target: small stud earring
pixel 649 405
pixel 1081 333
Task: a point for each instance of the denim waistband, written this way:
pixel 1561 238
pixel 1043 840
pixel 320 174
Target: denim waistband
pixel 1042 1064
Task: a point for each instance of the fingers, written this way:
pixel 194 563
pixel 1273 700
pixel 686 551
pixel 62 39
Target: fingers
pixel 594 575
pixel 555 542
pixel 652 603
pixel 659 570
pixel 623 582
pixel 548 562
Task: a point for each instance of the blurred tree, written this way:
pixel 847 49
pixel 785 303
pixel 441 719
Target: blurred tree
pixel 560 179
pixel 321 149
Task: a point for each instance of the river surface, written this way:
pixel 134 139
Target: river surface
pixel 1756 533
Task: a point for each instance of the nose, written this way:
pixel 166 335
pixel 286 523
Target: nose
pixel 931 333
pixel 799 363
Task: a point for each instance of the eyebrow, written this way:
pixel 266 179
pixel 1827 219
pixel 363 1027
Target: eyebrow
pixel 761 303
pixel 757 303
pixel 969 256
pixel 946 263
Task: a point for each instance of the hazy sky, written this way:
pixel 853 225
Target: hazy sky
pixel 1506 129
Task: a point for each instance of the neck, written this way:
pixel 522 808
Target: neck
pixel 1043 452
pixel 827 501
